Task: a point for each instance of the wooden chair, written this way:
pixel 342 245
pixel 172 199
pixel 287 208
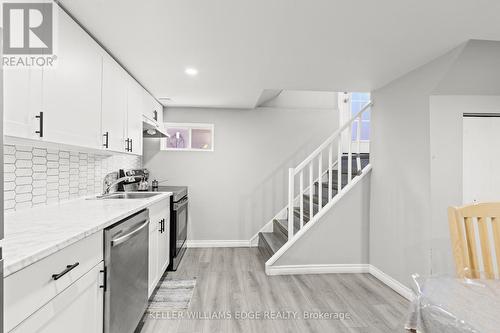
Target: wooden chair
pixel 464 241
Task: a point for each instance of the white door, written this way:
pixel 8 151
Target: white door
pixel 72 90
pixel 22 101
pixel 481 158
pixel 135 110
pixel 114 104
pixel 349 105
pixel 78 309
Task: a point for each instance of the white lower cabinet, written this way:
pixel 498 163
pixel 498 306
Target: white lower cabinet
pixel 159 240
pixel 58 289
pixel 153 256
pixel 78 309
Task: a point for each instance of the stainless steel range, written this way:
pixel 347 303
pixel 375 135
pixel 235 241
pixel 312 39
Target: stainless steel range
pixel 178 223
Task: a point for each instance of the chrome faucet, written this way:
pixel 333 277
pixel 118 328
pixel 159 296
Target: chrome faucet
pixel 109 184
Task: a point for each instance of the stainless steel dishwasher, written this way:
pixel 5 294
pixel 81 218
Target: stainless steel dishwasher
pixel 126 271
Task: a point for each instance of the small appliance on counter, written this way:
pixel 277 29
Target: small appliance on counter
pixel 139 184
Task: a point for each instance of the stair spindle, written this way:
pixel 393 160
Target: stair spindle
pixel 339 164
pixel 291 187
pixel 330 173
pixel 358 138
pixel 320 183
pixel 311 191
pixel 301 199
pixel 349 154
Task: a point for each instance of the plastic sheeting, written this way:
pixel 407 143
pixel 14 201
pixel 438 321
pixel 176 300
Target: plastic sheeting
pixel 445 304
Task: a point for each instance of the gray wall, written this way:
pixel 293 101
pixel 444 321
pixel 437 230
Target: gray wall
pixel 400 189
pixel 240 186
pixel 416 153
pixel 339 237
pixel 446 124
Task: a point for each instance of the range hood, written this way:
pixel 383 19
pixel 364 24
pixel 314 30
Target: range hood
pixel 152 129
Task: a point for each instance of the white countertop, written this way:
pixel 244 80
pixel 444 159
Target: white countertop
pixel 33 234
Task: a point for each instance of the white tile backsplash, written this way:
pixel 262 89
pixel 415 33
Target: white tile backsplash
pixel 36 176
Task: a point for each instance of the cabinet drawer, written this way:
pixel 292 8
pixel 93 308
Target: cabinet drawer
pixel 29 289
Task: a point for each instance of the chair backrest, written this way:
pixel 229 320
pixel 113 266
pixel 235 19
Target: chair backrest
pixel 475 239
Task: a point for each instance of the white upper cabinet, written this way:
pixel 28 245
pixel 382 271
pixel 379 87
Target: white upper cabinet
pixel 135 110
pixel 87 99
pixel 72 90
pixel 22 101
pixel 114 105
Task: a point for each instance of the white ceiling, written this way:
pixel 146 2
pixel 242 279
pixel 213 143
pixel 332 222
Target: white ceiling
pixel 241 47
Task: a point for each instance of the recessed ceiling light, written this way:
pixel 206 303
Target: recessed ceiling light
pixel 191 71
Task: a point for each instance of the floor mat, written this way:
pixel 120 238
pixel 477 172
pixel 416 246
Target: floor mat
pixel 172 295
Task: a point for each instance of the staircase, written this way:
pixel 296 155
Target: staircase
pixel 316 185
pixel 271 242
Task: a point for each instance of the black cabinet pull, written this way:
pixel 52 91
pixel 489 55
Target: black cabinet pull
pixel 131 147
pixel 40 117
pixel 106 142
pixel 68 268
pixel 155 115
pixel 104 278
pixel 127 147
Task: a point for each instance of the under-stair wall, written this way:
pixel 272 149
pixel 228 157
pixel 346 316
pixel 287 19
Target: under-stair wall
pixel 338 242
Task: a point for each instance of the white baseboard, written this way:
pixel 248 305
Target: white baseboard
pixel 392 283
pixel 218 243
pixel 343 268
pixel 316 269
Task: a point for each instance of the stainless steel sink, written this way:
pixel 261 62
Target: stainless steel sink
pixel 131 195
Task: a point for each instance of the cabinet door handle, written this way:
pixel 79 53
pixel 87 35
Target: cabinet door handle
pixel 162 226
pixel 106 140
pixel 127 147
pixel 155 115
pixel 68 268
pixel 131 147
pixel 40 118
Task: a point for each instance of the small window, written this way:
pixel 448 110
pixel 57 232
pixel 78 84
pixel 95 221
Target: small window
pixel 188 137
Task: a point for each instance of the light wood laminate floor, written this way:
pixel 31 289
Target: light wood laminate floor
pixel 232 280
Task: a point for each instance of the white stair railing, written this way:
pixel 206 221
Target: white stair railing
pixel 315 161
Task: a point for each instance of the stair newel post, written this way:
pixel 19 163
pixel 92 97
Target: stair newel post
pixel 301 198
pixel 311 191
pixel 320 181
pixel 358 138
pixel 291 188
pixel 339 164
pixel 330 173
